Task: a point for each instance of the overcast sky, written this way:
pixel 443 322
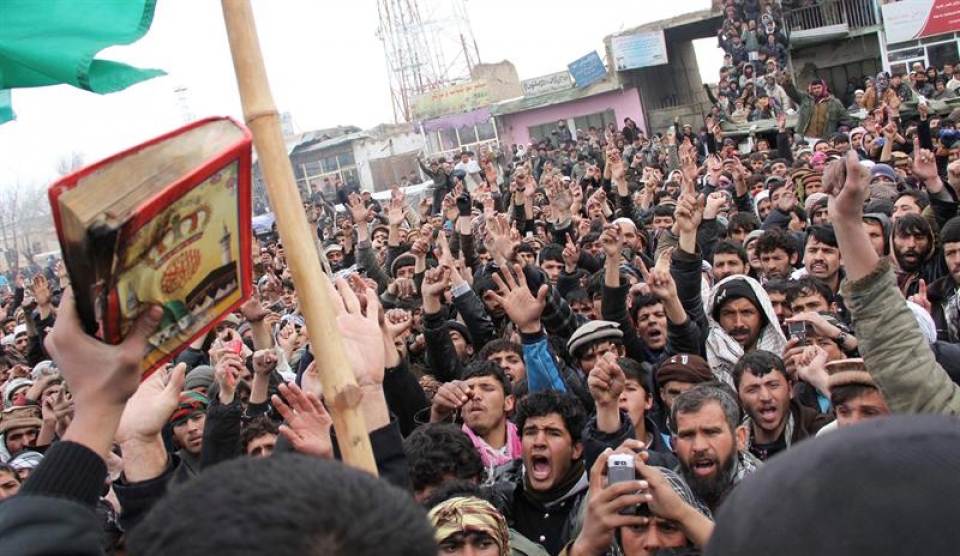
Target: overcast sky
pixel 325 64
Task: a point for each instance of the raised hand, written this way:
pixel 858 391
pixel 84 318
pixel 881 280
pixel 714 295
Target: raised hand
pixel 716 201
pixel 252 310
pixel 61 270
pixel 606 510
pixel 360 214
pixel 571 255
pixel 362 339
pixel 606 381
pixel 920 298
pixel 521 306
pixel 688 213
pixel 498 240
pixel 306 422
pixel 811 367
pixel 398 211
pixel 152 404
pixel 435 282
pixel 788 201
pixel 228 371
pixel 264 361
pixel 660 280
pixel 845 181
pixel 953 174
pixel 396 322
pixel 924 164
pixel 99 374
pixel 612 241
pixel 41 290
pixel 688 165
pixel 450 397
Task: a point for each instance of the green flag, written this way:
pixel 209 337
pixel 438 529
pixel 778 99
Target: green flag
pixel 54 41
pixel 6 109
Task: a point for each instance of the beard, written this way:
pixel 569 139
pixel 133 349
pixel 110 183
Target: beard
pixel 910 266
pixel 711 489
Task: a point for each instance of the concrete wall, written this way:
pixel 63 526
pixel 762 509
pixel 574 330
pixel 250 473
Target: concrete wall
pixel 395 141
pixel 675 88
pixel 501 78
pixel 625 104
pixel 860 55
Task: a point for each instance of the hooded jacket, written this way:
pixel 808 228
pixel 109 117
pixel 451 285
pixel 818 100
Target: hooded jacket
pixel 723 351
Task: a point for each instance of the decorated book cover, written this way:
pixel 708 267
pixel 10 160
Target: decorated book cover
pixel 166 223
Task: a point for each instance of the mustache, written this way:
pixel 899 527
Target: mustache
pixel 740 330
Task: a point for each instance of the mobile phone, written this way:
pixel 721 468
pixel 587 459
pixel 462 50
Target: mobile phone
pixel 798 330
pixel 620 468
pixel 235 345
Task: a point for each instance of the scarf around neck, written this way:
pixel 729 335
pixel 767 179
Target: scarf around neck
pixel 575 475
pixel 492 457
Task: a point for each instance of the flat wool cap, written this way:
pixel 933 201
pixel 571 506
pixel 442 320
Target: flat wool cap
pixel 593 331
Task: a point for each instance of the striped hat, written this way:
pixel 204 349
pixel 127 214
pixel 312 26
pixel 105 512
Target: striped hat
pixel 189 405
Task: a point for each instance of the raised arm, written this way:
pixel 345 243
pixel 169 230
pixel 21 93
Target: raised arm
pixel 893 348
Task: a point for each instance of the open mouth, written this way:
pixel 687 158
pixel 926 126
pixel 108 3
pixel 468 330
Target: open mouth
pixel 768 413
pixel 818 268
pixel 540 468
pixel 703 467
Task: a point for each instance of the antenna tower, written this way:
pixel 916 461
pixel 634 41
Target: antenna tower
pixel 428 45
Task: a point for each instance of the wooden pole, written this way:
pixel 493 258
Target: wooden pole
pixel 341 392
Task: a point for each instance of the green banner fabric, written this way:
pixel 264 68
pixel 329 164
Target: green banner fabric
pixel 6 109
pixel 49 42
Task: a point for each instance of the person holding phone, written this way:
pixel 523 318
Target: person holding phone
pixel 654 511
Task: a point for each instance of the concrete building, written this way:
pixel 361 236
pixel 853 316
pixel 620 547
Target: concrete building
pixel 925 32
pixel 525 120
pixel 672 87
pixel 459 117
pixel 837 41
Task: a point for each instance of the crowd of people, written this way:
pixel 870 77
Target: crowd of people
pixel 737 329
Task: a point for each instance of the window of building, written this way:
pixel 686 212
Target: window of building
pixel 942 53
pixel 930 51
pixel 599 120
pixel 449 142
pixel 486 132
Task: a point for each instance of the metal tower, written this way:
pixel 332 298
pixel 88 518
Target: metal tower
pixel 428 45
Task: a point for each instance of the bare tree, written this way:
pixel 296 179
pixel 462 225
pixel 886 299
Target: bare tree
pixel 69 163
pixel 24 211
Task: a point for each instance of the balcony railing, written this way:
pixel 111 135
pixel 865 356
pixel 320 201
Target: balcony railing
pixel 854 14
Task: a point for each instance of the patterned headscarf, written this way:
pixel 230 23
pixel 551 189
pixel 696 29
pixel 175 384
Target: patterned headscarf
pixel 469 515
pixel 190 404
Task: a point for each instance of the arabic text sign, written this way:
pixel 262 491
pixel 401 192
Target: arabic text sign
pixel 544 84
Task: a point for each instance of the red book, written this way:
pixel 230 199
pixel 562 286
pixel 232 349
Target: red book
pixel 166 222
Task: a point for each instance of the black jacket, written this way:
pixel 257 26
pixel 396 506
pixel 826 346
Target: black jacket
pixel 55 510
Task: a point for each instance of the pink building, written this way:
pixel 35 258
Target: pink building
pixel 523 120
